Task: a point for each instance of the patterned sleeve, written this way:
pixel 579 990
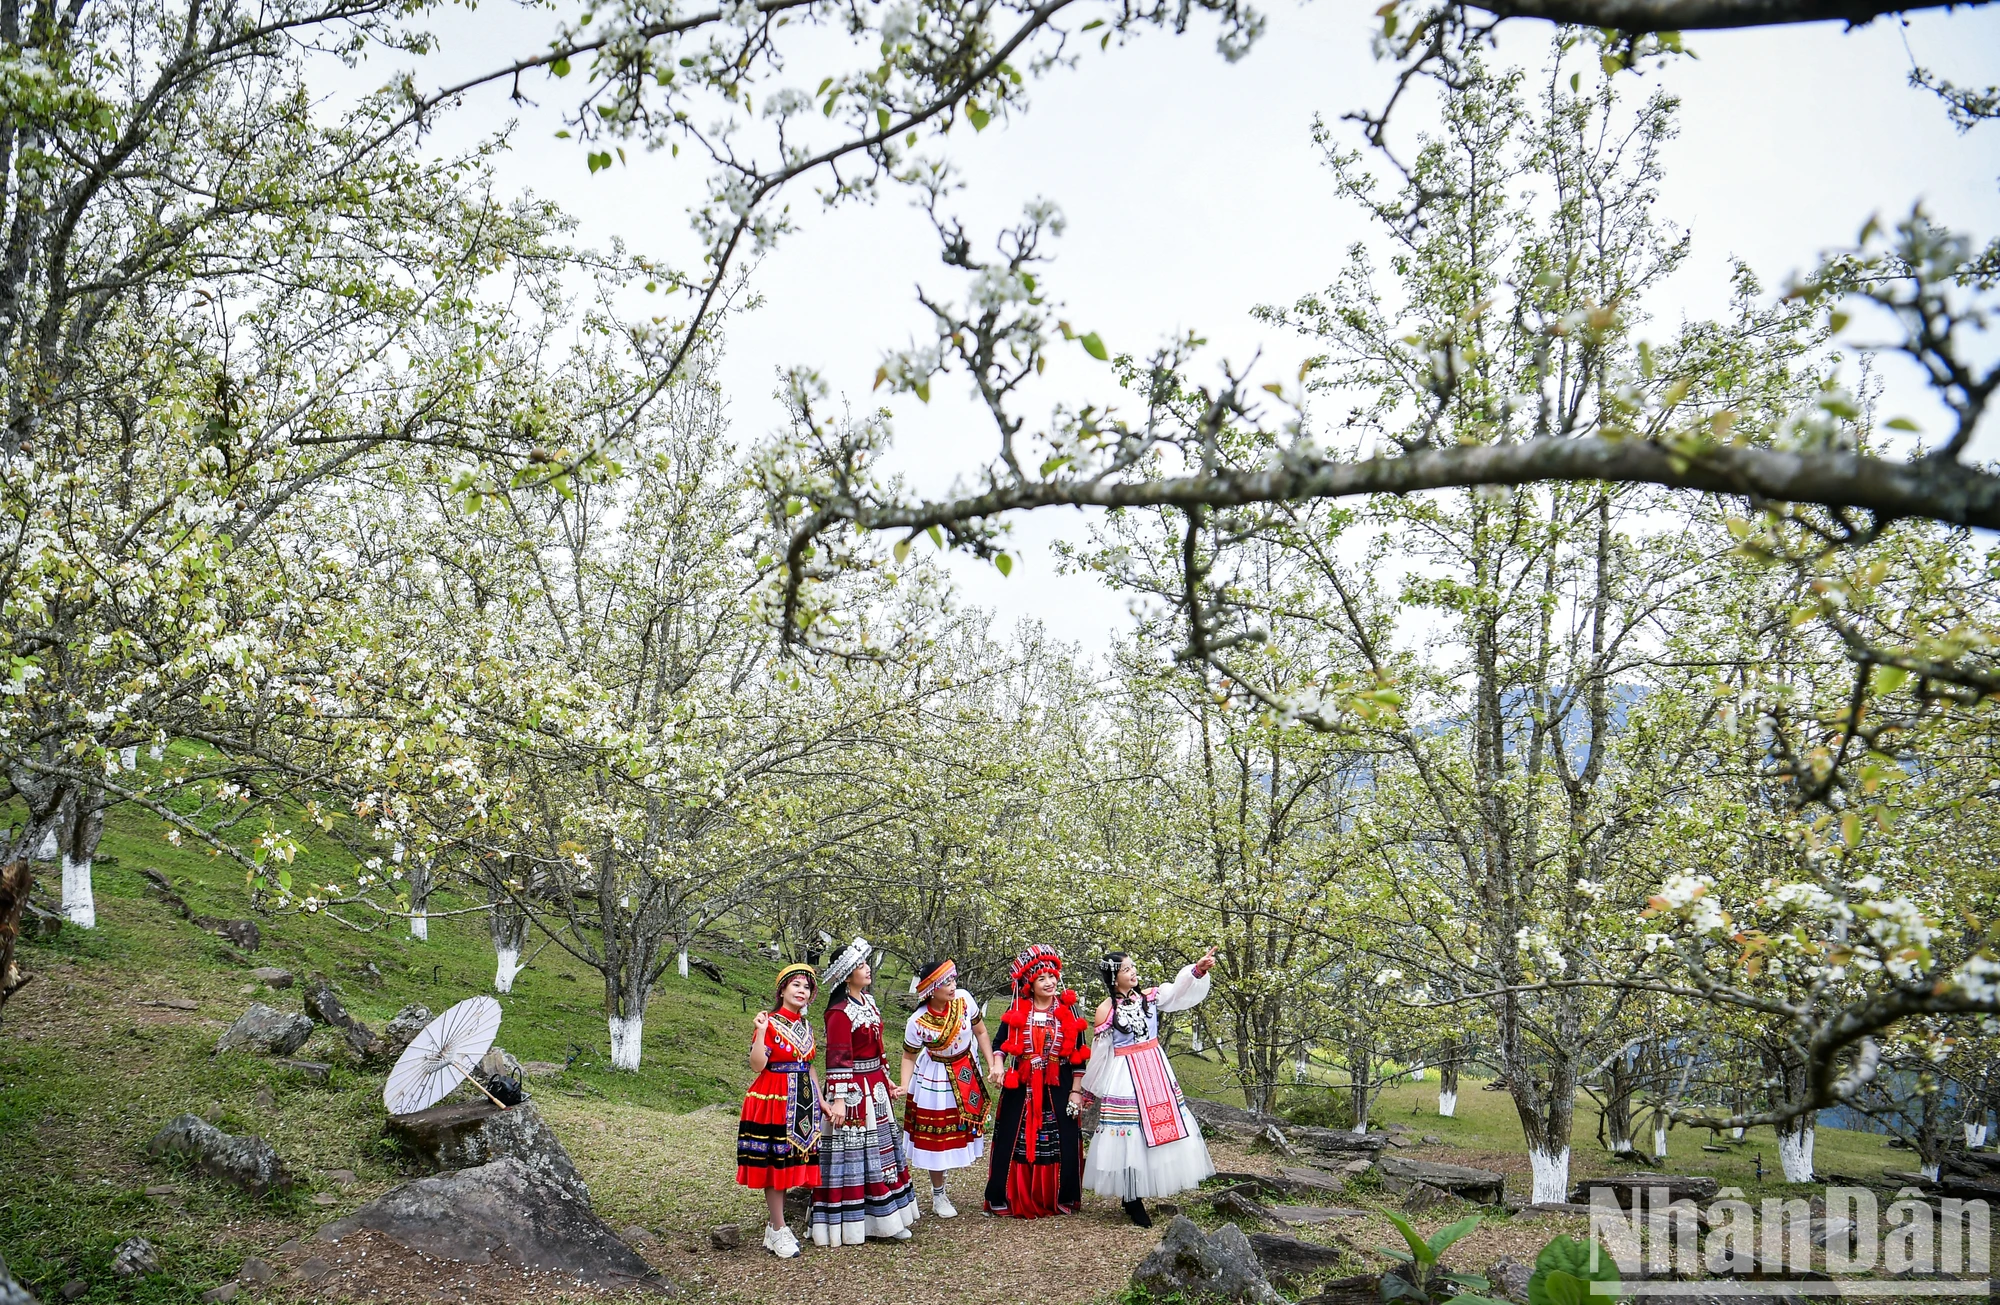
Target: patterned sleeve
pixel 839 1045
pixel 912 1042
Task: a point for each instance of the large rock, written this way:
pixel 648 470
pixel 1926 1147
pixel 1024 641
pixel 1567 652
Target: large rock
pixel 266 1032
pixel 403 1026
pixel 1480 1186
pixel 323 1004
pixel 1626 1188
pixel 248 1162
pixel 1216 1267
pixel 465 1136
pixel 1336 1141
pixel 1288 1257
pixel 503 1212
pixel 11 1291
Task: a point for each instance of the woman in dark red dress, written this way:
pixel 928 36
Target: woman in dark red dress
pixel 864 1179
pixel 1037 1166
pixel 777 1136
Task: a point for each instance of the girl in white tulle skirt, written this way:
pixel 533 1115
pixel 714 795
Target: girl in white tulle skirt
pixel 1147 1143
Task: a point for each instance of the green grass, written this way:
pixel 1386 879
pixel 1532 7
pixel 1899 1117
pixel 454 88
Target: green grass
pixel 88 1073
pixel 1487 1123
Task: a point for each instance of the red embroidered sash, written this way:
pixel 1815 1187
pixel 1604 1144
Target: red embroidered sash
pixel 1153 1084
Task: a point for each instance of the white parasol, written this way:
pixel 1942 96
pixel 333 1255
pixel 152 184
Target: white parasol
pixel 442 1056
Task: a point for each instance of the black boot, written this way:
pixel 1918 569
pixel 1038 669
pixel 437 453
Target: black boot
pixel 1136 1212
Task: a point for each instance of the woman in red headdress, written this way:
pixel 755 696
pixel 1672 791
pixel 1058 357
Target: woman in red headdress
pixel 1037 1166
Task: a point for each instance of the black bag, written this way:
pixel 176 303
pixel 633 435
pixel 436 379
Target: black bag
pixel 506 1091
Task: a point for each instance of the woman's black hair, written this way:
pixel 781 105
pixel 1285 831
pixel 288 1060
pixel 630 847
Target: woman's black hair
pixel 1107 970
pixel 930 968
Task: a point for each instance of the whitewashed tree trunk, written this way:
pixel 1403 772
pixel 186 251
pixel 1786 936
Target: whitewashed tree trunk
pixel 682 962
pixel 1194 1044
pixel 625 1034
pixel 420 897
pixel 1795 1150
pixel 1975 1135
pixel 1448 1102
pixel 128 757
pixel 1929 1169
pixel 1659 1141
pixel 506 967
pixel 47 849
pixel 79 825
pixel 1551 1172
pixel 1736 1133
pixel 79 901
pixel 1620 1143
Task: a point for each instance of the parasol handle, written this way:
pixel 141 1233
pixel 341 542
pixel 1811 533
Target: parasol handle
pixel 472 1079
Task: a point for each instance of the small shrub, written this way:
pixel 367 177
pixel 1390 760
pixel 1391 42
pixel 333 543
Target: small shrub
pixel 1317 1108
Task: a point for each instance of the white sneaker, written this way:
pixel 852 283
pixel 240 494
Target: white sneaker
pixel 903 1234
pixel 941 1205
pixel 780 1242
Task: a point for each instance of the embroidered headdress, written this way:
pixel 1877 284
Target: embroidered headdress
pixel 786 975
pixel 939 973
pixel 834 975
pixel 1032 964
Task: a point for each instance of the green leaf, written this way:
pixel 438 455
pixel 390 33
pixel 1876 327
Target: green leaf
pixel 1094 347
pixel 1441 1240
pixel 1888 679
pixel 1572 1259
pixel 560 68
pixel 902 549
pixel 937 536
pixel 978 117
pixel 1902 423
pixel 882 119
pixel 1004 564
pixel 1419 1248
pixel 1565 1288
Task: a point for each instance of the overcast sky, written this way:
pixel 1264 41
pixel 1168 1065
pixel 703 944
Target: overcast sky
pixel 1193 193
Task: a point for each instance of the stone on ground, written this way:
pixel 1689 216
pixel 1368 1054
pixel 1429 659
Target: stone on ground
pixel 135 1258
pixel 1480 1186
pixel 272 976
pixel 247 1162
pixel 403 1026
pixel 323 1004
pixel 726 1237
pixel 465 1136
pixel 266 1032
pixel 1220 1266
pixel 1626 1187
pixel 502 1211
pixel 1510 1279
pixel 11 1291
pixel 1288 1257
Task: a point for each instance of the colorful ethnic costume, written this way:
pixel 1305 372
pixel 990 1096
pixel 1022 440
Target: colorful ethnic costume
pixel 777 1138
pixel 864 1181
pixel 1037 1165
pixel 947 1110
pixel 1146 1144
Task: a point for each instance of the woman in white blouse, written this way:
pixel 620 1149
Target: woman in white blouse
pixel 1147 1143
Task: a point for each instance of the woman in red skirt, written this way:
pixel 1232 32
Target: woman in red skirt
pixel 1037 1165
pixel 777 1137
